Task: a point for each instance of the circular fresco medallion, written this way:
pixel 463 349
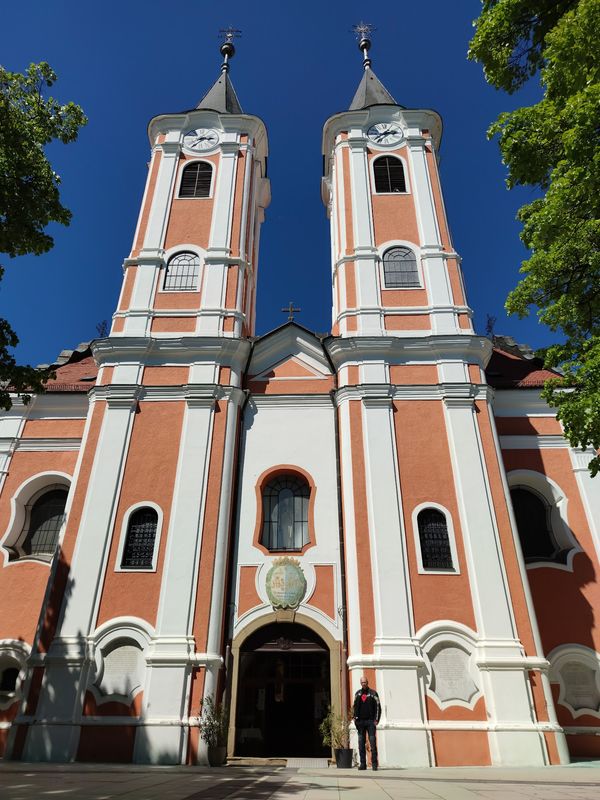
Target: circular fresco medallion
pixel 285 583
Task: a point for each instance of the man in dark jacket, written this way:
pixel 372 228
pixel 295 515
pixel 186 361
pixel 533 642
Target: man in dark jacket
pixel 367 711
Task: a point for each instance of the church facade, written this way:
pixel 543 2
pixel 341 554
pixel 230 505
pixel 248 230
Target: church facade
pixel 192 512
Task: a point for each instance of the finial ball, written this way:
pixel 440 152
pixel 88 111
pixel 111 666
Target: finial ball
pixel 364 44
pixel 227 49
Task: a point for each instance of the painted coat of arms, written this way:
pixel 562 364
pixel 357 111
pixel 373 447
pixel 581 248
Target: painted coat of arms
pixel 285 583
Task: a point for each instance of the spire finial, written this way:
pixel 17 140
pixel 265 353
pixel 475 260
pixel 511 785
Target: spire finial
pixel 363 33
pixel 227 49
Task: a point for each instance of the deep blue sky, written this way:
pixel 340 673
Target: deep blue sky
pixel 296 64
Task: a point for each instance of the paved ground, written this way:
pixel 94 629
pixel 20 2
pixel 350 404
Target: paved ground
pixel 98 782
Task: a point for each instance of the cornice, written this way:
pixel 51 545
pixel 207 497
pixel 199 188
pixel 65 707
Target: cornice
pixel 194 394
pixel 453 394
pixel 431 348
pixel 172 350
pixel 47 445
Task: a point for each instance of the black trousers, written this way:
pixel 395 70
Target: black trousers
pixel 366 727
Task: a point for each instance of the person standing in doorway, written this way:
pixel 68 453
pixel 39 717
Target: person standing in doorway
pixel 367 711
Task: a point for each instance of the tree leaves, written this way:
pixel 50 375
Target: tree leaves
pixel 29 190
pixel 554 147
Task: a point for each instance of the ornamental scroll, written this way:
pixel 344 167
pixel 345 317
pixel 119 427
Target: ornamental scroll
pixel 285 583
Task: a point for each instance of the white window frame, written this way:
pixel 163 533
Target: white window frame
pixel 557 500
pixel 17 528
pixel 406 175
pixel 123 536
pixel 169 254
pixel 188 162
pixel 580 654
pixel 451 540
pixel 14 653
pixel 382 250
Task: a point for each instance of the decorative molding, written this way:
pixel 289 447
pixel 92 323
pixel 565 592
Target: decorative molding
pixel 47 445
pixel 541 442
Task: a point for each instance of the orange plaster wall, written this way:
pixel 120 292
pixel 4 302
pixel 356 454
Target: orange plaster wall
pixel 107 375
pixel 367 611
pixel 209 525
pixel 148 202
pixel 461 748
pixel 23 584
pixel 566 603
pixel 165 376
pixel 53 429
pixel 426 476
pixel 464 322
pixel 394 218
pixel 190 218
pixel 128 284
pixel 455 283
pixel 477 713
pixel 282 386
pixel 225 376
pixel 350 278
pixel 173 325
pixel 248 597
pixel 323 596
pixel 394 298
pixel 149 475
pixel 410 374
pixel 407 322
pixel 528 426
pixel 177 300
pixel 118 325
pixel 511 563
pixel 475 375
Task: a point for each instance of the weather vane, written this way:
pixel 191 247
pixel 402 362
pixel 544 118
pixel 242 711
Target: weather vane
pixel 227 48
pixel 363 32
pixel 290 310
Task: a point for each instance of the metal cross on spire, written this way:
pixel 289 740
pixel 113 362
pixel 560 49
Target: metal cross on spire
pixel 290 310
pixel 363 31
pixel 227 48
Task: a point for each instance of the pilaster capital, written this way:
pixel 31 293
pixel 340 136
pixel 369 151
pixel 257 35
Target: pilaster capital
pixel 230 148
pixel 581 459
pixel 198 395
pixel 357 141
pixel 117 395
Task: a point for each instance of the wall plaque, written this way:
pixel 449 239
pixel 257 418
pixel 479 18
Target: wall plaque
pixel 285 583
pixel 451 679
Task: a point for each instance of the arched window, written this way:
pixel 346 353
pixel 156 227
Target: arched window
pixel 138 550
pixel 44 519
pixel 434 540
pixel 285 513
pixel 532 514
pixel 400 269
pixel 389 175
pixel 195 180
pixel 182 272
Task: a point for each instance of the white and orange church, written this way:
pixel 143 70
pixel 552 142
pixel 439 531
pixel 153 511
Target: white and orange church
pixel 193 511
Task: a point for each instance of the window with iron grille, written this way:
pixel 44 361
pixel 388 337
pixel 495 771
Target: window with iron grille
pixel 434 540
pixel 285 513
pixel 46 517
pixel 532 515
pixel 138 551
pixel 195 180
pixel 182 273
pixel 389 175
pixel 400 269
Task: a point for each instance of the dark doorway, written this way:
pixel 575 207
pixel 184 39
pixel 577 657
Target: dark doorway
pixel 283 692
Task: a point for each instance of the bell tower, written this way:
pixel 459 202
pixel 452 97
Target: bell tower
pixel 394 267
pixel 192 267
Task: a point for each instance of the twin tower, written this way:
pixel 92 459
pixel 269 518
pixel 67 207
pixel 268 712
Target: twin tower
pixel 262 520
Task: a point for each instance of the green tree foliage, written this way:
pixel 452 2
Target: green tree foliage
pixel 29 195
pixel 554 146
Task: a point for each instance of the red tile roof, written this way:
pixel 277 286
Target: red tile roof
pixel 511 370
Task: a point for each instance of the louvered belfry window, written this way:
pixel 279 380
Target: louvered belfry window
pixel 434 540
pixel 389 175
pixel 400 269
pixel 182 273
pixel 138 552
pixel 285 513
pixel 195 181
pixel 46 519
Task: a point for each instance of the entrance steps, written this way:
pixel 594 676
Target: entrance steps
pixel 296 763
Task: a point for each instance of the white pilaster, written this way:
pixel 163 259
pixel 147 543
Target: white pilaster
pixel 590 492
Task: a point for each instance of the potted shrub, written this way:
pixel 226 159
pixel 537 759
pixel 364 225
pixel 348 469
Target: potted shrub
pixel 214 722
pixel 335 733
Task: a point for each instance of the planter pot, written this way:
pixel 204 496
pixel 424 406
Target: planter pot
pixel 343 757
pixel 217 756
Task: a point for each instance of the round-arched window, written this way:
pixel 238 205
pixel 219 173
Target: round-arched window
pixel 182 273
pixel 285 513
pixel 400 269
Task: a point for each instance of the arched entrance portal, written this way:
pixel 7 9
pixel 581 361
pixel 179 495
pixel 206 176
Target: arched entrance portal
pixel 283 692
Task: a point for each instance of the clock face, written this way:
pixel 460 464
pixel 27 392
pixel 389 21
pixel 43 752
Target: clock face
pixel 201 139
pixel 385 133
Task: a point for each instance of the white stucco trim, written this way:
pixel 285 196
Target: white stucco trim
pixel 451 540
pixel 391 154
pixel 581 654
pixel 382 250
pixel 441 632
pixel 559 521
pixel 179 178
pixel 123 535
pixel 13 653
pixel 32 486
